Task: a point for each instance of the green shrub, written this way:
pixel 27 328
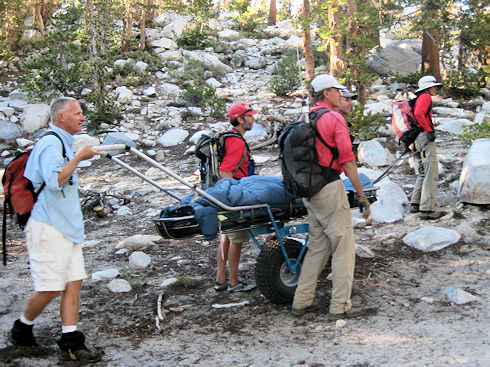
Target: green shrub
pixel 475 131
pixel 361 126
pixel 205 97
pixel 412 78
pixel 462 83
pixel 240 6
pixel 195 38
pixel 106 109
pixel 187 282
pixel 286 77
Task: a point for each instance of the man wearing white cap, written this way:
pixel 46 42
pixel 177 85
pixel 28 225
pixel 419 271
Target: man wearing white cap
pixel 424 193
pixel 330 224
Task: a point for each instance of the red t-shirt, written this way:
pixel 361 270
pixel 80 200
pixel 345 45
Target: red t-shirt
pixel 422 106
pixel 333 129
pixel 235 148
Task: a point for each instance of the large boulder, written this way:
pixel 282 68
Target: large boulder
pixel 454 126
pixel 9 131
pixel 373 154
pixel 172 137
pixel 474 182
pixel 35 117
pixel 396 60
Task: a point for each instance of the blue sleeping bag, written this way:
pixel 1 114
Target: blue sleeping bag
pixel 249 190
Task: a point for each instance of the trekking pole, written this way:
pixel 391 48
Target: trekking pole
pixel 399 160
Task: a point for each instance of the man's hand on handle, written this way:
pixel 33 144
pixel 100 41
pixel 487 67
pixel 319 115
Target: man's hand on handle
pixel 365 208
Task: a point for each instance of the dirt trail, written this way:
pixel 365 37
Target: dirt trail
pixel 405 330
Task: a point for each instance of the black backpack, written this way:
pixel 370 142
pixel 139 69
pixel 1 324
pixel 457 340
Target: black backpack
pixel 210 149
pixel 302 174
pixel 20 195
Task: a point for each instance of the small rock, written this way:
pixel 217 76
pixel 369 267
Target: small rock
pixel 119 286
pixel 459 296
pixel 139 260
pixel 168 282
pixel 340 324
pixel 427 299
pixel 105 274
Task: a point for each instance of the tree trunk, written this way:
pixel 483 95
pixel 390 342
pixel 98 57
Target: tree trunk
pixel 430 53
pixel 38 20
pixel 336 50
pixel 142 44
pixel 272 13
pixel 128 25
pixel 306 36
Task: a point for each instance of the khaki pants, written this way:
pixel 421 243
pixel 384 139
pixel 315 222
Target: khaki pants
pixel 330 233
pixel 424 192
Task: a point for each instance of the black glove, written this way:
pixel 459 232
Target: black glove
pixel 431 135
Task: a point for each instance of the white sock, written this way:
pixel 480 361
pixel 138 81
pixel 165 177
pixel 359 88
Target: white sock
pixel 25 321
pixel 68 329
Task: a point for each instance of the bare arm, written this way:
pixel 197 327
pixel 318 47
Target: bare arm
pixel 67 169
pixel 225 174
pixel 350 168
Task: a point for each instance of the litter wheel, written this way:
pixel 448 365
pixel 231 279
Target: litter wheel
pixel 272 274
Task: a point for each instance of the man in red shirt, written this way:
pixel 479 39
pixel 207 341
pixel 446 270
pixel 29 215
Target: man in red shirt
pixel 330 224
pixel 424 193
pixel 236 163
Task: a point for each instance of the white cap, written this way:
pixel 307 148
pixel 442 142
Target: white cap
pixel 427 82
pixel 325 81
pixel 347 93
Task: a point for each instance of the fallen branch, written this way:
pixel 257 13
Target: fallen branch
pixel 159 306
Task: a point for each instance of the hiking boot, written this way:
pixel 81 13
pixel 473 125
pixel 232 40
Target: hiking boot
pixel 23 340
pixel 73 348
pixel 430 215
pixel 414 208
pixel 349 314
pixel 298 312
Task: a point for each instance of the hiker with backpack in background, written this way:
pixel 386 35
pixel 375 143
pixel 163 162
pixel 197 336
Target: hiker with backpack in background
pixel 54 234
pixel 236 163
pixel 423 198
pixel 330 223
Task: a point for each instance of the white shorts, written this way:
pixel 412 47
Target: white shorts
pixel 54 260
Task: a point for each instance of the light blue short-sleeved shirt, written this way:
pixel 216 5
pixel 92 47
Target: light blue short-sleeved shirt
pixel 57 206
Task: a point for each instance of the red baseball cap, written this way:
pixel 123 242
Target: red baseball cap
pixel 241 109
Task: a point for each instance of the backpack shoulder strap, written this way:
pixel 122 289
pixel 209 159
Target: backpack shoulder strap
pixel 313 120
pixel 412 106
pixel 51 132
pixel 246 151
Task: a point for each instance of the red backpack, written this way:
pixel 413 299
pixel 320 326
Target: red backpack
pixel 403 121
pixel 20 195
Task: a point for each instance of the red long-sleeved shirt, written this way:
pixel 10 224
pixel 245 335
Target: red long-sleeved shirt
pixel 333 129
pixel 422 106
pixel 235 148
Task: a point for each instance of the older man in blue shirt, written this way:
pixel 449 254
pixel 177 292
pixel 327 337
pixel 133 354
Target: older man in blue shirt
pixel 55 233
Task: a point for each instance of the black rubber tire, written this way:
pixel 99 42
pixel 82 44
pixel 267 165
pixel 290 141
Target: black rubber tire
pixel 272 274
